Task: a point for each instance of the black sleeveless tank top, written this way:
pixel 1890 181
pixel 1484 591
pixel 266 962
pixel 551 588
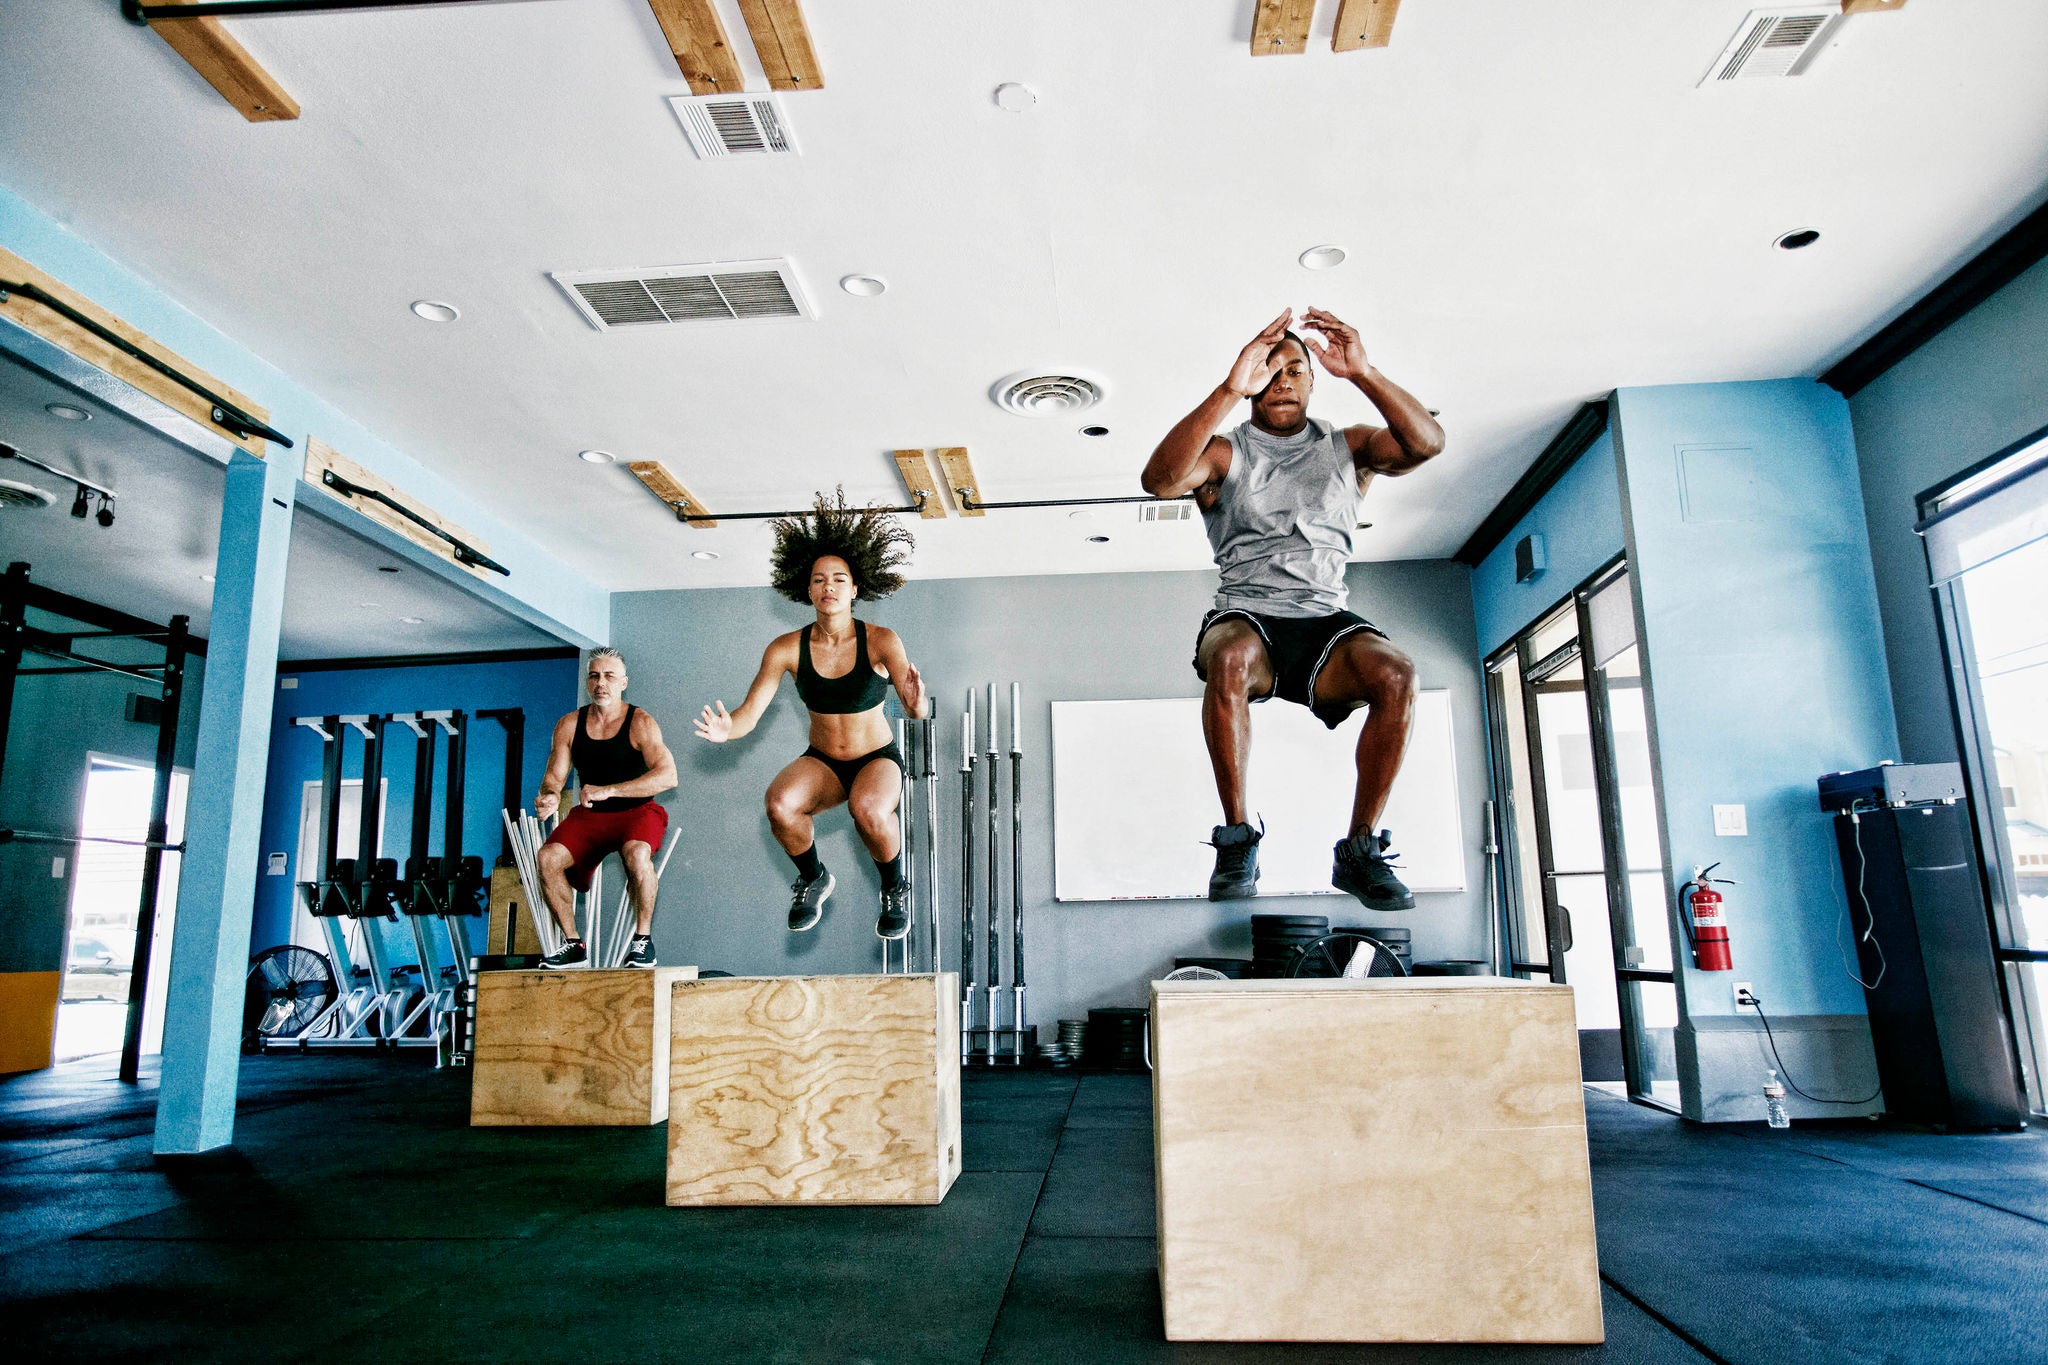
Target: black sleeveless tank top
pixel 858 689
pixel 607 762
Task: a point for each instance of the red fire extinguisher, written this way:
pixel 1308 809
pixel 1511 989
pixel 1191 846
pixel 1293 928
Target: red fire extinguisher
pixel 1706 924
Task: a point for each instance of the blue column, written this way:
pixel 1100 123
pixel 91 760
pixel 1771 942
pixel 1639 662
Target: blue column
pixel 217 888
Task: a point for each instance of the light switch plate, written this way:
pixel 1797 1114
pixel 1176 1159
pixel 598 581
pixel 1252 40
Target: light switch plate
pixel 1731 820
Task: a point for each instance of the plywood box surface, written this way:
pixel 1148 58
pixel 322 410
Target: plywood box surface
pixel 1380 1160
pixel 572 1047
pixel 814 1090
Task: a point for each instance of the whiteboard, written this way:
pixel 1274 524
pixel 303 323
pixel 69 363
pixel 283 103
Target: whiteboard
pixel 1134 799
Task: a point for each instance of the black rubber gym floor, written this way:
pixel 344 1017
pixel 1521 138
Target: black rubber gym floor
pixel 358 1218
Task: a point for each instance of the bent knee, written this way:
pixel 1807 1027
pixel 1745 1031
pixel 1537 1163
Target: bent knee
pixel 1393 678
pixel 553 857
pixel 638 857
pixel 1233 666
pixel 872 817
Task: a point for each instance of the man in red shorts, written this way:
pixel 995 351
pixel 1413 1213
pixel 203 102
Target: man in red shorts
pixel 621 765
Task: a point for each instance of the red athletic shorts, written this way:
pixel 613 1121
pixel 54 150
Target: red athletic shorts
pixel 591 835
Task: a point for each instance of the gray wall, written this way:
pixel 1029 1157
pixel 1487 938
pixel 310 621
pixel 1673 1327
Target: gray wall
pixel 1979 386
pixel 1064 638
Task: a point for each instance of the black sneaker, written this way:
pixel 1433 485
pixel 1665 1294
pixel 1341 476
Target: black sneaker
pixel 1236 876
pixel 573 954
pixel 1363 869
pixel 640 952
pixel 895 918
pixel 807 900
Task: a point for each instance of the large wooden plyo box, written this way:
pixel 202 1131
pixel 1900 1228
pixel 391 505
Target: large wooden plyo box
pixel 814 1090
pixel 572 1048
pixel 1377 1160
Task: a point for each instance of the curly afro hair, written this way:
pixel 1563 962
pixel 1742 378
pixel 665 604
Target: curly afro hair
pixel 869 539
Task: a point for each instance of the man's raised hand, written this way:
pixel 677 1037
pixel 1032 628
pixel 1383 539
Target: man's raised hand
pixel 1255 364
pixel 715 724
pixel 1339 351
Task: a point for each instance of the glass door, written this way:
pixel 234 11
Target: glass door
pixel 1987 550
pixel 1582 871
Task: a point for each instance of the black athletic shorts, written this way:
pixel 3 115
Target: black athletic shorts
pixel 1297 647
pixel 847 769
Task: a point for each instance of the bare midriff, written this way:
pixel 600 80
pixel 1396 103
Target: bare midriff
pixel 852 734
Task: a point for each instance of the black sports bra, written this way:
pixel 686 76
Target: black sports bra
pixel 860 688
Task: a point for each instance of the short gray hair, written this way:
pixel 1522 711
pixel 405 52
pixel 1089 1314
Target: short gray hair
pixel 605 652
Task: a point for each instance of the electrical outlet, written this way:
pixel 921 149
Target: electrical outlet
pixel 1743 994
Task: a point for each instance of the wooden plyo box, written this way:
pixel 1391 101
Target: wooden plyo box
pixel 572 1048
pixel 1377 1160
pixel 814 1090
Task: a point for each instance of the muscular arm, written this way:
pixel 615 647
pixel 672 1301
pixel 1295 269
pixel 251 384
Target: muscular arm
pixel 548 799
pixel 718 726
pixel 661 764
pixel 1411 437
pixel 1193 456
pixel 890 654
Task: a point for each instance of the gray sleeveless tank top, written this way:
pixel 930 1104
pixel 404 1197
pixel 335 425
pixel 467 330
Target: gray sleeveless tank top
pixel 1282 522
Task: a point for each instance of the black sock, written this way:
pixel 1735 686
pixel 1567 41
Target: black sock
pixel 807 865
pixel 892 871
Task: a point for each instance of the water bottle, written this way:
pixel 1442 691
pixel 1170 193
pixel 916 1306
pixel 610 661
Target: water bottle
pixel 1774 1102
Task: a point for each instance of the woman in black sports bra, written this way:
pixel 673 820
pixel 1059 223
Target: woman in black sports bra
pixel 843 668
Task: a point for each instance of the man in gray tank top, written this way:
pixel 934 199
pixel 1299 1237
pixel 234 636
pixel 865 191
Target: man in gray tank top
pixel 1279 495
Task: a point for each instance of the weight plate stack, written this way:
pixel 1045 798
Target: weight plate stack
pixel 1277 938
pixel 1115 1040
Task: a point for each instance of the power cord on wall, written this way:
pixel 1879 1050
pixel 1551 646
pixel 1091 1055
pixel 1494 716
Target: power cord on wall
pixel 1755 1002
pixel 1869 934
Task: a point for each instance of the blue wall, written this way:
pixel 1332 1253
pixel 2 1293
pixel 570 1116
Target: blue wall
pixel 1979 386
pixel 1580 522
pixel 544 688
pixel 1758 613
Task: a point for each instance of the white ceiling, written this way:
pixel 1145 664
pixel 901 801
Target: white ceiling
pixel 341 601
pixel 1538 203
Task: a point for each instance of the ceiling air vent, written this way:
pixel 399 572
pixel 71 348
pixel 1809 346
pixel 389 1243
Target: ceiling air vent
pixel 734 125
pixel 733 291
pixel 1776 42
pixel 1036 393
pixel 1166 511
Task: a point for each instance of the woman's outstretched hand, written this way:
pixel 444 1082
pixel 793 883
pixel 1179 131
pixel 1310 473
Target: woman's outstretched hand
pixel 715 724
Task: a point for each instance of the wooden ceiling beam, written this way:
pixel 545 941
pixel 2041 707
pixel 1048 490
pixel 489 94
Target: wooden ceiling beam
pixel 1364 23
pixel 702 51
pixel 1280 27
pixel 226 65
pixel 916 472
pixel 666 486
pixel 783 43
pixel 1871 6
pixel 960 475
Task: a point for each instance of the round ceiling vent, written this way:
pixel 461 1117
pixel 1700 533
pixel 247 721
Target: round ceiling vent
pixel 1036 393
pixel 14 494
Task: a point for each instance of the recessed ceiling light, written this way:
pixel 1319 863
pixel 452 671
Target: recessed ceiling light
pixel 703 554
pixel 1015 97
pixel 412 620
pixel 1797 238
pixel 1098 540
pixel 1095 431
pixel 1084 514
pixel 864 286
pixel 596 456
pixel 387 568
pixel 1322 258
pixel 369 604
pixel 433 310
pixel 67 412
pixel 206 578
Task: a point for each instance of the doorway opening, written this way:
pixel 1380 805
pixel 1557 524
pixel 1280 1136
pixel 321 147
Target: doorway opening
pixel 1583 878
pixel 106 899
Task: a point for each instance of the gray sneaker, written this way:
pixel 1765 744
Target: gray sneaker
pixel 895 918
pixel 807 900
pixel 639 952
pixel 1363 868
pixel 1236 876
